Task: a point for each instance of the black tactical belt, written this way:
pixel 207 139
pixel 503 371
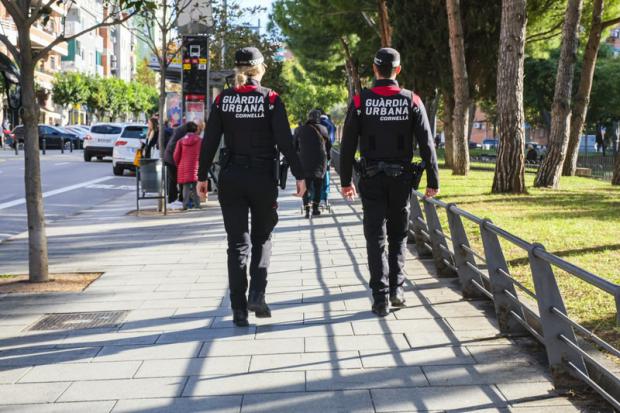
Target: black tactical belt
pixel 247 161
pixel 389 169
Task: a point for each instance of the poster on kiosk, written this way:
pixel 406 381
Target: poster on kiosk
pixel 195 77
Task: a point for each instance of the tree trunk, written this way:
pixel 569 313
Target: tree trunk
pixel 431 111
pixel 384 24
pixel 582 100
pixel 470 120
pixel 551 168
pixel 615 180
pixel 510 166
pixel 447 129
pixel 37 240
pixel 461 89
pixel 354 76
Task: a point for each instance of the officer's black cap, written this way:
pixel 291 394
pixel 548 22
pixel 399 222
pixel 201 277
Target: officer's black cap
pixel 248 56
pixel 387 57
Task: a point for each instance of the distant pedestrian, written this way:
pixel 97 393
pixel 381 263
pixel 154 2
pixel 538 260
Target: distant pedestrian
pixel 313 144
pixel 186 157
pixel 173 190
pixel 532 155
pixel 152 136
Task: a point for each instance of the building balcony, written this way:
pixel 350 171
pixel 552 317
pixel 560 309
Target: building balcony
pixel 42 38
pixel 9 29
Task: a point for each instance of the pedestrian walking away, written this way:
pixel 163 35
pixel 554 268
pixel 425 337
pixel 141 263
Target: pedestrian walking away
pixel 173 188
pixel 385 120
pixel 186 156
pixel 255 126
pixel 314 147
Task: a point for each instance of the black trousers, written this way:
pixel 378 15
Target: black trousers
pixel 245 190
pixel 171 181
pixel 314 185
pixel 386 218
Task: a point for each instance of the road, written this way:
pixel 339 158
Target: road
pixel 69 184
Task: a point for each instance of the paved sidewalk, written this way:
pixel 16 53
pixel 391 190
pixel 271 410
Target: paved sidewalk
pixel 323 351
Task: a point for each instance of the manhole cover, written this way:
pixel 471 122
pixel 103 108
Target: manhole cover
pixel 74 321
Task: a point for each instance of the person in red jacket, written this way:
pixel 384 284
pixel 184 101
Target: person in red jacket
pixel 186 157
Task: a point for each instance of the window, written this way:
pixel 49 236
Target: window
pixel 136 132
pixel 106 129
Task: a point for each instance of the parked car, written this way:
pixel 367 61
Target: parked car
pixel 587 143
pixel 125 148
pixel 490 144
pixel 55 137
pixel 474 145
pixel 99 142
pixel 80 130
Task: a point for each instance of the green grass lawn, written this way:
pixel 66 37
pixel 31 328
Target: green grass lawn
pixel 579 222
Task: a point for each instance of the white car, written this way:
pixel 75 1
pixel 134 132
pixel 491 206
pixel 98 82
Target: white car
pixel 130 141
pixel 100 140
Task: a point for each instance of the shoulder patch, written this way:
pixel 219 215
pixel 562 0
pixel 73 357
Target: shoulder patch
pixel 273 95
pixel 217 99
pixel 416 100
pixel 357 101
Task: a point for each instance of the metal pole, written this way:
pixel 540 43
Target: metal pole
pixel 62 145
pixel 44 145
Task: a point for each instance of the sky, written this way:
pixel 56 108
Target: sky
pixel 253 20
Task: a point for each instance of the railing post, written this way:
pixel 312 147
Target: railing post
pixel 440 246
pixel 553 326
pixel 419 227
pixel 500 283
pixel 461 256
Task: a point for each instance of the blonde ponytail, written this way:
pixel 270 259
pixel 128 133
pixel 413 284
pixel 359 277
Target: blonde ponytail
pixel 243 73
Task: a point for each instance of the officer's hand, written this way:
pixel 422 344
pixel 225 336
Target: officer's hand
pixel 203 188
pixel 301 188
pixel 348 192
pixel 431 192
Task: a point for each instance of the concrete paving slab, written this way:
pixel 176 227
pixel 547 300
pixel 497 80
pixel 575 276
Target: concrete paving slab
pixel 31 392
pixel 81 371
pixel 289 381
pixel 123 389
pixel 79 407
pixel 352 343
pixel 194 366
pixel 252 347
pixel 153 352
pixel 10 375
pixel 306 361
pixel 446 355
pixel 422 399
pixel 215 404
pixel 351 401
pixel 321 380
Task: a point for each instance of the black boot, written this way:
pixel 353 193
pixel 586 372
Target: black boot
pixel 257 304
pixel 397 297
pixel 307 207
pixel 240 318
pixel 315 210
pixel 380 308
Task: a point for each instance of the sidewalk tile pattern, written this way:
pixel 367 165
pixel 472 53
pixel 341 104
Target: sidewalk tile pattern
pixel 322 351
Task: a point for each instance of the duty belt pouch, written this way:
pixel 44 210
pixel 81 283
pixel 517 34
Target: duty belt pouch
pixel 417 169
pixel 224 157
pixel 276 169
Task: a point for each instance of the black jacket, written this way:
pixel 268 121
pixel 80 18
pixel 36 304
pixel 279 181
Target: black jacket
pixel 313 145
pixel 177 135
pixel 254 123
pixel 385 122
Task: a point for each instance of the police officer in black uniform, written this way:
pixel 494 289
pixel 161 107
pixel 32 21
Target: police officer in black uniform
pixel 255 126
pixel 385 120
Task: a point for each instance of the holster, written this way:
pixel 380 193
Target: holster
pixel 283 175
pixel 225 156
pixel 417 169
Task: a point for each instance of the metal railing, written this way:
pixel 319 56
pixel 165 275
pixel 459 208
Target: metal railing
pixel 569 358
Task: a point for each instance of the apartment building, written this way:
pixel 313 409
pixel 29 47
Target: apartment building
pixel 42 35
